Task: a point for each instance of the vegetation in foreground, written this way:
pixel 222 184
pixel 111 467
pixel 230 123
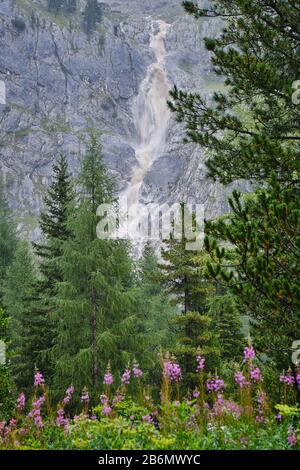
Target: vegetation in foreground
pixel 127 417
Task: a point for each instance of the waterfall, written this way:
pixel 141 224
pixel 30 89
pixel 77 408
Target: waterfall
pixel 151 115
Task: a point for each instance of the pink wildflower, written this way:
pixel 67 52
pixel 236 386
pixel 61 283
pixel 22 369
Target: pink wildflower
pixel 108 379
pixel 292 438
pixel 69 393
pixel 125 379
pixel 21 402
pixel 249 353
pixel 85 397
pixel 215 384
pixel 61 420
pixel 147 419
pixel 38 379
pixel 137 372
pixel 200 363
pixel 172 371
pixel 240 379
pixel 106 410
pixel 103 399
pixel 287 379
pixel 255 374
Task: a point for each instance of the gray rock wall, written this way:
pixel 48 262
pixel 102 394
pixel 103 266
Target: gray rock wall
pixel 61 82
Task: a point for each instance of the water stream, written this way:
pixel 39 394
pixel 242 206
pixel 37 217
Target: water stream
pixel 151 115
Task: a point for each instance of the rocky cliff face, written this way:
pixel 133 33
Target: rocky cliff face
pixel 67 72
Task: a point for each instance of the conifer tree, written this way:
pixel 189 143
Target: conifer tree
pixel 37 319
pixel 153 327
pixel 8 237
pixel 251 131
pixel 95 301
pixel 20 279
pixel 53 224
pixel 7 387
pixel 183 274
pixel 227 323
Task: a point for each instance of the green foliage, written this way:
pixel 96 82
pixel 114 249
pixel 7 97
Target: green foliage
pixel 153 329
pixel 7 389
pixel 95 299
pixel 227 323
pixel 21 276
pixel 261 266
pixel 252 128
pixel 32 305
pixel 251 131
pixel 183 275
pixel 8 238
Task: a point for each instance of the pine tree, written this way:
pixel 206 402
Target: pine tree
pixel 227 323
pixel 261 266
pixel 251 129
pixel 183 274
pixel 251 132
pixel 95 299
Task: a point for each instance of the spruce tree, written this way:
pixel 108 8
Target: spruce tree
pixel 7 387
pixel 37 320
pixel 153 328
pixel 20 279
pixel 8 237
pixel 227 323
pixel 183 275
pixel 95 301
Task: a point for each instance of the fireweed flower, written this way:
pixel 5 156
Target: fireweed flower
pixel 108 379
pixel 68 397
pixel 292 438
pixel 147 419
pixel 278 418
pixel 61 420
pixel 137 372
pixel 287 379
pixel 215 384
pixel 172 371
pixel 85 397
pixel 125 379
pixel 38 379
pixel 106 410
pixel 298 380
pixel 200 363
pixel 35 412
pixel 21 402
pixel 249 353
pixel 255 374
pixel 240 379
pixel 103 399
